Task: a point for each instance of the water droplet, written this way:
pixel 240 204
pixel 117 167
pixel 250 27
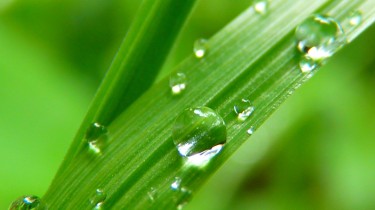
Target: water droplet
pixel 261 6
pixel 95 137
pixel 319 37
pixel 200 48
pixel 355 18
pixel 184 198
pixel 243 109
pixel 177 82
pixel 199 134
pixel 27 202
pixel 152 194
pixel 307 65
pixel 97 200
pixel 176 183
pixel 250 131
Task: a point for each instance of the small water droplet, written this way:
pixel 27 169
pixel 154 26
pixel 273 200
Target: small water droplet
pixel 152 194
pixel 319 37
pixel 355 18
pixel 184 198
pixel 307 65
pixel 28 202
pixel 200 48
pixel 97 200
pixel 199 134
pixel 250 131
pixel 95 137
pixel 261 6
pixel 176 183
pixel 177 82
pixel 243 109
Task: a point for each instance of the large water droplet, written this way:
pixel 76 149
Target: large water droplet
pixel 319 37
pixel 27 203
pixel 261 6
pixel 97 200
pixel 177 82
pixel 243 109
pixel 200 48
pixel 95 137
pixel 355 18
pixel 199 134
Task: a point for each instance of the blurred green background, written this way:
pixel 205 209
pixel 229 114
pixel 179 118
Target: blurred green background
pixel 316 152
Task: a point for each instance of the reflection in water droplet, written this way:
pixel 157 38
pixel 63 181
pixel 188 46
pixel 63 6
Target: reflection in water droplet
pixel 243 109
pixel 250 131
pixel 199 134
pixel 152 194
pixel 95 137
pixel 261 6
pixel 355 18
pixel 177 82
pixel 97 200
pixel 319 37
pixel 200 48
pixel 307 65
pixel 28 202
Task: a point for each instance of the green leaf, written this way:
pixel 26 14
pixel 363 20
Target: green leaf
pixel 137 63
pixel 254 57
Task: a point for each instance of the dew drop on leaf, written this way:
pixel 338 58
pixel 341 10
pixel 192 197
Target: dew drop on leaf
pixel 98 199
pixel 261 6
pixel 200 48
pixel 243 109
pixel 199 134
pixel 177 82
pixel 29 202
pixel 250 131
pixel 95 137
pixel 355 18
pixel 319 37
pixel 176 183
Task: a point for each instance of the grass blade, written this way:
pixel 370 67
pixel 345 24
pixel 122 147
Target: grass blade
pixel 254 57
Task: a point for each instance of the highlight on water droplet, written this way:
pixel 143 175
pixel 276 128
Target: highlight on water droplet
pixel 355 18
pixel 243 109
pixel 261 6
pixel 98 198
pixel 250 131
pixel 27 202
pixel 176 183
pixel 177 82
pixel 307 65
pixel 199 134
pixel 200 48
pixel 152 194
pixel 319 37
pixel 95 137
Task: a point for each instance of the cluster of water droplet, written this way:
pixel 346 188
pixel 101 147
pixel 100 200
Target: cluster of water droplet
pixel 319 37
pixel 29 202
